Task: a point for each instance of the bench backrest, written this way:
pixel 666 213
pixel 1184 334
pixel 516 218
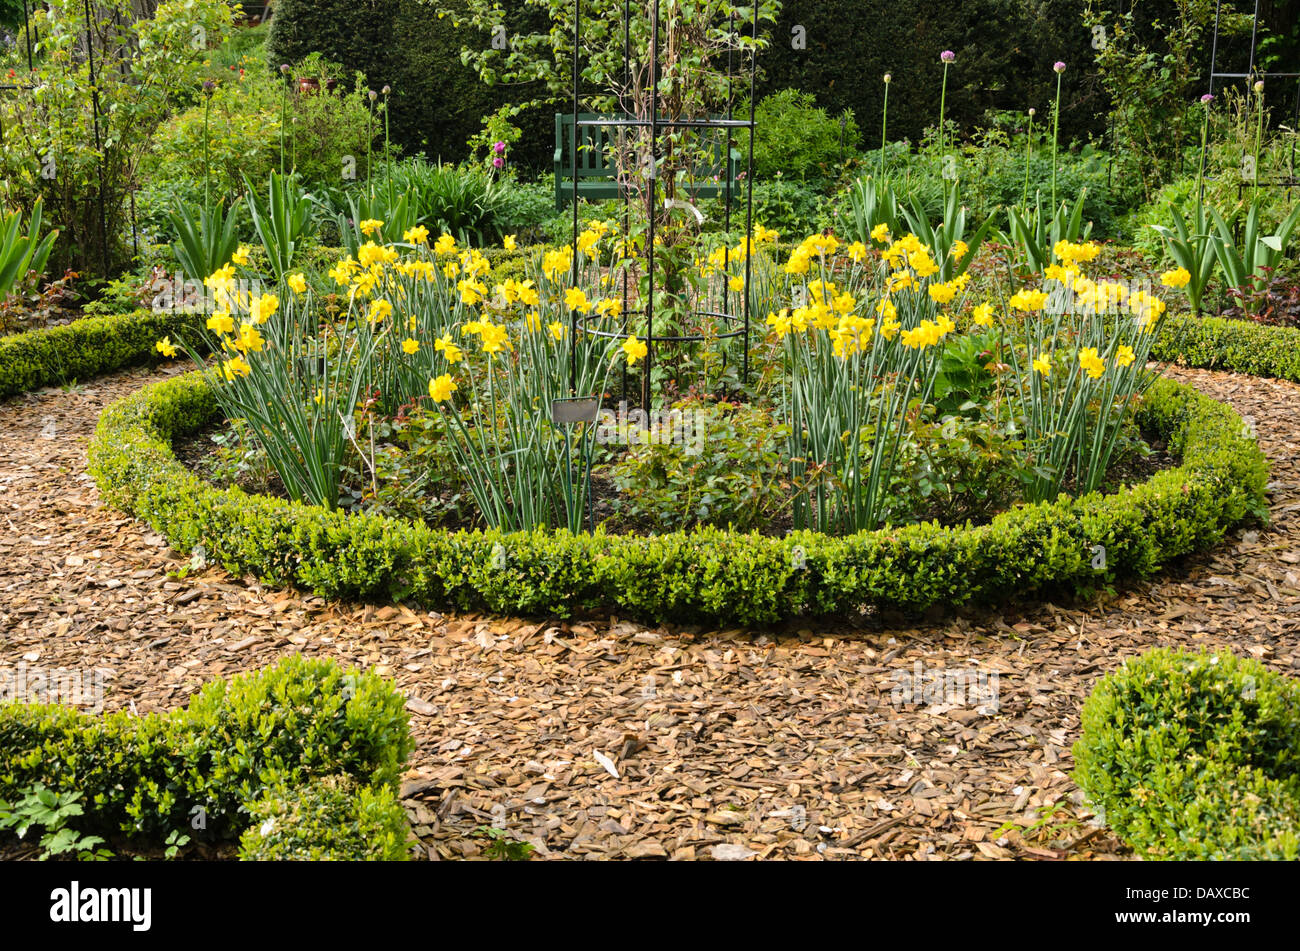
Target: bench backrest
pixel 596 145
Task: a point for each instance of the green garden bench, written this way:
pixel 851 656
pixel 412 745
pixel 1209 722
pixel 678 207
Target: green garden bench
pixel 596 172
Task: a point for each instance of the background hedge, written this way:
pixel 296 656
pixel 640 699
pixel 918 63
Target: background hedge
pixel 707 575
pixel 437 103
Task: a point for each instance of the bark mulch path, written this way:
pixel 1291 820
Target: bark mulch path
pixel 610 739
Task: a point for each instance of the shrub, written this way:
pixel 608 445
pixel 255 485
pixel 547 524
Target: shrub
pixel 1239 346
pixel 334 818
pixel 294 721
pixel 797 140
pixel 437 103
pixel 1195 756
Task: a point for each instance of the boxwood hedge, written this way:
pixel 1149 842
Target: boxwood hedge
pixel 86 348
pixel 1241 346
pixel 237 750
pixel 1195 756
pixel 707 575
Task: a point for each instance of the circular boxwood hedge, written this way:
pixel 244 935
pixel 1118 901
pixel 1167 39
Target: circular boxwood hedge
pixel 707 575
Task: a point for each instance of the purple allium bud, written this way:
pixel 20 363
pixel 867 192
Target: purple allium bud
pixel 888 77
pixel 1058 66
pixel 1207 99
pixel 1259 85
pixel 209 87
pixel 373 95
pixel 1032 112
pixel 284 68
pixel 386 90
pixel 947 56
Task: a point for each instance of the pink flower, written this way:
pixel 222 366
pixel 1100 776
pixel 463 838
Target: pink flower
pixel 947 56
pixel 1058 66
pixel 499 147
pixel 1207 98
pixel 498 162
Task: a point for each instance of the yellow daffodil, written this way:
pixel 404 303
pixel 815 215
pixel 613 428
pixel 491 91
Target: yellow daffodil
pixel 441 388
pixel 235 367
pixel 982 316
pixel 240 257
pixel 576 299
pixel 509 243
pixel 417 235
pixel 297 283
pixel 448 349
pixel 380 309
pixel 1178 277
pixel 370 226
pixel 410 345
pixel 165 347
pixel 221 322
pixel 1124 356
pixel 1043 366
pixel 1092 364
pixel 635 350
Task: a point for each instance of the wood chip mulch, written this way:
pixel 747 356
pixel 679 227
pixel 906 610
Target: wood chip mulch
pixel 616 740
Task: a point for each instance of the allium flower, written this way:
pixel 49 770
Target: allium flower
pixel 209 87
pixel 284 68
pixel 1058 66
pixel 373 95
pixel 386 90
pixel 1207 98
pixel 947 56
pixel 888 77
pixel 1032 112
pixel 1259 85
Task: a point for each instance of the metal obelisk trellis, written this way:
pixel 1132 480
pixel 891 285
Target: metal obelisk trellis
pixel 656 123
pixel 1290 181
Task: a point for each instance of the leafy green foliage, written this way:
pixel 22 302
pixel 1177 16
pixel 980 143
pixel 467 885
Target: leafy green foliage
pixel 53 147
pixel 1195 756
pixel 43 808
pixel 334 818
pixel 735 476
pixel 21 253
pixel 207 241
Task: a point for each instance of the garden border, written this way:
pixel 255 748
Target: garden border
pixel 1238 346
pixel 85 348
pixel 707 575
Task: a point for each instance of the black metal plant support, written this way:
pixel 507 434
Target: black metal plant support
pixel 1290 181
pixel 656 123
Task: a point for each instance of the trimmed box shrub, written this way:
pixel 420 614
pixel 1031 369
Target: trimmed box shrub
pixel 1195 756
pixel 236 742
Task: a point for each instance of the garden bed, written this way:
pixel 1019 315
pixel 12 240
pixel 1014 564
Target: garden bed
pixel 709 574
